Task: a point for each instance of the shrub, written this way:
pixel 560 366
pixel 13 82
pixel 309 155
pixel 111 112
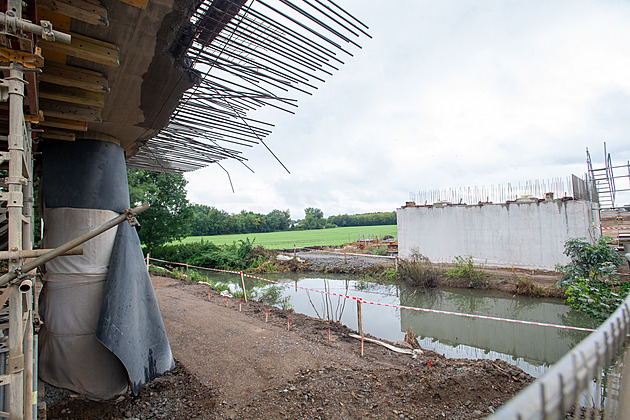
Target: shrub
pixel 596 262
pixel 528 288
pixel 418 270
pixel 464 268
pixel 591 281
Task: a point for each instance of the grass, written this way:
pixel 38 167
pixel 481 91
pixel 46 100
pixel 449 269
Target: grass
pixel 299 238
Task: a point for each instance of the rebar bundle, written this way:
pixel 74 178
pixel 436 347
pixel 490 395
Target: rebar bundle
pixel 500 193
pixel 249 55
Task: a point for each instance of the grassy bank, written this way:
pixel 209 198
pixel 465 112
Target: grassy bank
pixel 299 238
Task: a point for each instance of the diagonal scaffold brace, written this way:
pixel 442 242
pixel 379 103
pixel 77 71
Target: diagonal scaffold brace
pixel 127 215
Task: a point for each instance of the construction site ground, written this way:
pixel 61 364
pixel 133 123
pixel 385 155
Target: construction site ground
pixel 232 364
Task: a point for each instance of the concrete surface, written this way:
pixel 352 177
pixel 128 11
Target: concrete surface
pixel 515 233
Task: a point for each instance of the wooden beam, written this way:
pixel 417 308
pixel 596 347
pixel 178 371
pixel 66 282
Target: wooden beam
pixel 140 4
pixel 71 95
pixel 64 124
pixel 86 48
pixel 58 135
pixel 70 111
pixel 85 11
pixel 61 23
pixel 60 74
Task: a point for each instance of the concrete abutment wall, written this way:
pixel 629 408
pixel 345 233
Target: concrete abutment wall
pixel 519 234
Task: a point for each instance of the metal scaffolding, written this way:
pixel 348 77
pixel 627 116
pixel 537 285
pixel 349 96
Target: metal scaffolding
pixel 605 181
pixel 19 58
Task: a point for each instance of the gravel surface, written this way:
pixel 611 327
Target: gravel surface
pixel 333 262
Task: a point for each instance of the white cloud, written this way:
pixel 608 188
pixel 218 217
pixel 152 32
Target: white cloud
pixel 448 93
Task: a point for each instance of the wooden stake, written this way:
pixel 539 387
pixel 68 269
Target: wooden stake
pixel 360 315
pixel 187 274
pixel 226 302
pixel 208 294
pixel 360 321
pixel 396 262
pixel 239 305
pixel 328 335
pixel 243 284
pixel 147 260
pixel 266 314
pixel 294 254
pixel 345 258
pixel 288 324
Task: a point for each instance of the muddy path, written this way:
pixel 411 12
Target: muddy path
pixel 233 364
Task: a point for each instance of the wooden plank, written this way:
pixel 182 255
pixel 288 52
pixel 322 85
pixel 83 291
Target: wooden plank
pixel 58 135
pixel 74 76
pixel 86 48
pixel 140 4
pixel 71 95
pixel 64 124
pixel 70 111
pixel 61 23
pixel 82 10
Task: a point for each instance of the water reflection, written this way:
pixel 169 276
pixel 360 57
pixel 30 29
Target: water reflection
pixel 532 348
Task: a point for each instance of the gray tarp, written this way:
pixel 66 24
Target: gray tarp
pixel 130 324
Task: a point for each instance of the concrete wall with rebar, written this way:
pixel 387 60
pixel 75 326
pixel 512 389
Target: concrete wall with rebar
pixel 518 234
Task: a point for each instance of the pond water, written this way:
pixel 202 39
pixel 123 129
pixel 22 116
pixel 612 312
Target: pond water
pixel 531 348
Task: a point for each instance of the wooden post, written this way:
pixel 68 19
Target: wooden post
pixel 360 320
pixel 396 262
pixel 345 258
pixel 148 261
pixel 294 253
pixel 243 284
pixel 187 272
pixel 266 315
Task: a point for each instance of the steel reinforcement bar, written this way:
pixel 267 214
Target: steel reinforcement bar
pixel 581 370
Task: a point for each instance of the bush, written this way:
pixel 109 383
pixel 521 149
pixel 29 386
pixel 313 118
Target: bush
pixel 597 298
pixel 418 270
pixel 591 281
pixel 596 262
pixel 237 256
pixel 464 268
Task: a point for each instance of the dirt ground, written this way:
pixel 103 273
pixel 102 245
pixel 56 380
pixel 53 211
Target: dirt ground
pixel 232 364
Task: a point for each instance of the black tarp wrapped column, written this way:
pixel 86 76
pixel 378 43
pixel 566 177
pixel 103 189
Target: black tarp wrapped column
pixel 102 326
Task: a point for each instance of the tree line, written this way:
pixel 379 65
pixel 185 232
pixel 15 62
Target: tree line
pixel 172 217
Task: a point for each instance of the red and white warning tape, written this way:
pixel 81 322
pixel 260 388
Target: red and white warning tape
pixel 411 308
pixel 613 228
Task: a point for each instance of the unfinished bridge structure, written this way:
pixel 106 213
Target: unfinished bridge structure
pixel 90 88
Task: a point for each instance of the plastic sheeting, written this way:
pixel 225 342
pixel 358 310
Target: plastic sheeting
pixel 102 325
pixel 70 355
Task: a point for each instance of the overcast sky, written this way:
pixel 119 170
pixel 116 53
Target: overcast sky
pixel 448 93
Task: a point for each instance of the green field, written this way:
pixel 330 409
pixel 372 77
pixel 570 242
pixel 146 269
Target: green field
pixel 301 238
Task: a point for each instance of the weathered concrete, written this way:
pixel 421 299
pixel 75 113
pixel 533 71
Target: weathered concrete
pixel 519 234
